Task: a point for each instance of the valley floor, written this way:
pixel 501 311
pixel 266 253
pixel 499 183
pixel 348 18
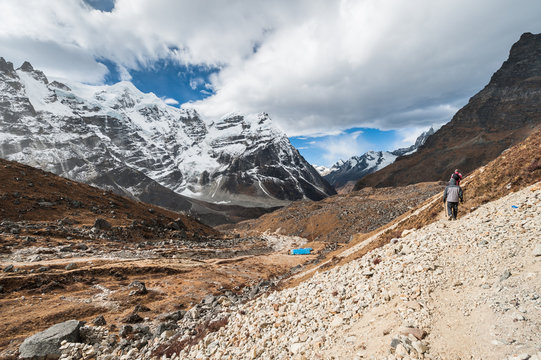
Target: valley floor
pixel 42 285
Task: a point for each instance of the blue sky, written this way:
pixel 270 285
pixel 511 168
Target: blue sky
pixel 103 5
pixel 327 149
pixel 338 77
pixel 168 80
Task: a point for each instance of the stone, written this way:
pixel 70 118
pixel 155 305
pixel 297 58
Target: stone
pixel 46 344
pixel 99 321
pixel 401 350
pixel 132 318
pixel 337 322
pixel 140 288
pixel 173 225
pixel 394 343
pixel 419 347
pixel 167 334
pixel 209 299
pixel 102 224
pixel 537 250
pixel 125 330
pixel 70 266
pixel 165 326
pixel 296 347
pixel 418 333
pixel 172 316
pixel 506 275
pixel 46 204
pixel 140 308
pixel 9 268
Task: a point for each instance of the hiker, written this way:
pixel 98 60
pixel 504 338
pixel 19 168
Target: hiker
pixel 457 176
pixel 452 194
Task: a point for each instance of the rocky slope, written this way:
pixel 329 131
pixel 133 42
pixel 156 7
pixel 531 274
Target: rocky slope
pixel 29 196
pixel 484 283
pixel 502 114
pixel 357 167
pixel 132 143
pixel 477 295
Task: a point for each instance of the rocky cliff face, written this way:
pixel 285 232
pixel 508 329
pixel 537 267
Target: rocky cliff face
pixel 505 112
pixel 118 138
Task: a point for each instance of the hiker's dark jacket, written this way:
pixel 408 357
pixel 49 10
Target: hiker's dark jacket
pixel 452 192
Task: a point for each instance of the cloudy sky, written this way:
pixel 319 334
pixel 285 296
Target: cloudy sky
pixel 339 77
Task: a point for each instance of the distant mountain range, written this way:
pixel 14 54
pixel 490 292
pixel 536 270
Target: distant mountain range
pixel 118 138
pixel 357 167
pixel 504 113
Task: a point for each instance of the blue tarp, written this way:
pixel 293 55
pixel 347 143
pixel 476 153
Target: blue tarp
pixel 301 251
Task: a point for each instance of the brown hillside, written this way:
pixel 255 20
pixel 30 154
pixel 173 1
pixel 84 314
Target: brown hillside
pixel 504 113
pixel 337 218
pixel 32 195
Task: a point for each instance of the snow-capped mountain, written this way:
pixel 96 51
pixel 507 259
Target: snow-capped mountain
pixel 358 166
pixel 119 138
pixel 420 141
pixel 322 169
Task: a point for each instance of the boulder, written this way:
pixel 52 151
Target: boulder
pixel 132 318
pixel 46 344
pixel 99 321
pixel 140 288
pixel 102 224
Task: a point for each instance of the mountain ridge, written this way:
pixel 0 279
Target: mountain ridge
pixel 112 135
pixel 356 167
pixel 502 114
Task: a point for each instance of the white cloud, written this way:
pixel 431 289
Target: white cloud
pixel 170 101
pixel 343 146
pixel 197 82
pixel 315 66
pixel 123 73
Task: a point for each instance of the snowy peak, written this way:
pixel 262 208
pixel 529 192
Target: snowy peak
pixel 420 141
pixel 357 167
pixel 323 170
pixel 36 74
pixel 116 137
